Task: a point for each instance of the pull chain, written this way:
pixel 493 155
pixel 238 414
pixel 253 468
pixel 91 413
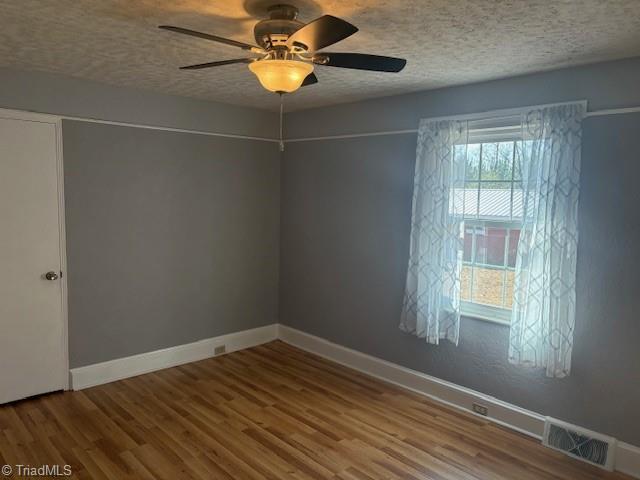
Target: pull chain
pixel 281 114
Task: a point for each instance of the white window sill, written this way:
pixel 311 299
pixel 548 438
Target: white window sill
pixel 486 313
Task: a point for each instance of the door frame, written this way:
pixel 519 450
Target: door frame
pixel 56 121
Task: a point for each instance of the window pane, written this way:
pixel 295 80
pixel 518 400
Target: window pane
pixel 495 245
pixel 517 166
pixel 514 238
pixel 495 202
pixel 481 245
pixel 487 285
pixel 516 207
pixel 497 161
pixel 489 155
pixel 473 162
pixel 468 245
pixel 508 289
pixel 470 199
pixel 465 283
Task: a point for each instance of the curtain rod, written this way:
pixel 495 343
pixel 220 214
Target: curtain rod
pixel 472 116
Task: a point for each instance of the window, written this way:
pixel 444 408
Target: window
pixel 491 203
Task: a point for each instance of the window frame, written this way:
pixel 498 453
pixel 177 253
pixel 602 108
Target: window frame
pixel 503 130
pixel 487 313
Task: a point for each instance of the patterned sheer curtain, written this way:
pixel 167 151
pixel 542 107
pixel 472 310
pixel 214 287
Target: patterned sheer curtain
pixel 543 314
pixel 431 307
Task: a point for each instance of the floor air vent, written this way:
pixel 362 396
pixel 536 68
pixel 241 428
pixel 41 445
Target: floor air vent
pixel 580 443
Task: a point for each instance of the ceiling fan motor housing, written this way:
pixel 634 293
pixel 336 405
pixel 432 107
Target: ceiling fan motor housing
pixel 289 49
pixel 281 24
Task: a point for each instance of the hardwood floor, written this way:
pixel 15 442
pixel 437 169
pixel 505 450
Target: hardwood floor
pixel 270 412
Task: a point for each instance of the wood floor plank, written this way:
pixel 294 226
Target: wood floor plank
pixel 268 413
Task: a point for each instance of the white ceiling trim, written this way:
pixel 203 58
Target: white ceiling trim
pixel 21 114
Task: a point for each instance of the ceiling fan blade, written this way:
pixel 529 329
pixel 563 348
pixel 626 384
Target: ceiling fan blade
pixel 310 80
pixel 200 66
pixel 360 61
pixel 321 33
pixel 206 36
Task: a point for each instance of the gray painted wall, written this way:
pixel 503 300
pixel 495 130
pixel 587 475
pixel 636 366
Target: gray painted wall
pixel 61 95
pixel 345 222
pixel 171 238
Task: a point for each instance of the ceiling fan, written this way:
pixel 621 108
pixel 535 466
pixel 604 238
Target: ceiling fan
pixel 288 50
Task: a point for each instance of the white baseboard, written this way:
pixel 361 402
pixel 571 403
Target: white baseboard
pixel 530 423
pixel 628 459
pixel 120 368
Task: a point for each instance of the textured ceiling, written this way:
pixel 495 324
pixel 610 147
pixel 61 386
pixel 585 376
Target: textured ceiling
pixel 446 42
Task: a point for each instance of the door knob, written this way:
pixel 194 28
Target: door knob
pixel 51 276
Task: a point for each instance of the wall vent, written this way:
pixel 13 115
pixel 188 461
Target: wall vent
pixel 585 445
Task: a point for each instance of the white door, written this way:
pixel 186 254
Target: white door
pixel 32 344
